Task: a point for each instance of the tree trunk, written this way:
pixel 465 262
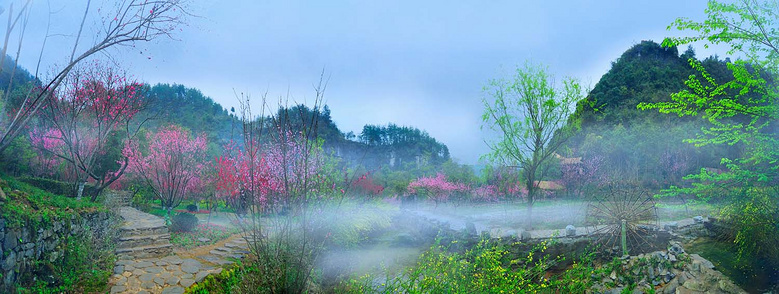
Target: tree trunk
pixel 80 190
pixel 530 201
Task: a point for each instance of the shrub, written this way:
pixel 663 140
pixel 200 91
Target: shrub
pixel 184 222
pixel 192 208
pixel 214 234
pixel 57 187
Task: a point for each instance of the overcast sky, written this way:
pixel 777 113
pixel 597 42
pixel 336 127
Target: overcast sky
pixel 416 63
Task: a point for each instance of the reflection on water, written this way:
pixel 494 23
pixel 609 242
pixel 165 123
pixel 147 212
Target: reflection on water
pixel 752 275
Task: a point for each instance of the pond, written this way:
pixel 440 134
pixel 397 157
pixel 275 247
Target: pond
pixel 754 275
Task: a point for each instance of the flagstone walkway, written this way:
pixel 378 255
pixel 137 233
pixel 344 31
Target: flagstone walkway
pixel 140 270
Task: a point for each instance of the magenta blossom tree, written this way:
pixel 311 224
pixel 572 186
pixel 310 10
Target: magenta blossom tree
pixel 172 166
pixel 242 176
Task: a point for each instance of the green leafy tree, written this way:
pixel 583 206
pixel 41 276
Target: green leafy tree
pixel 742 111
pixel 529 112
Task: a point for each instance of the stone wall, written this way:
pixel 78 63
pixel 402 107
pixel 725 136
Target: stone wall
pixel 21 247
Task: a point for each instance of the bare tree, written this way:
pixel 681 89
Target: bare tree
pixel 130 21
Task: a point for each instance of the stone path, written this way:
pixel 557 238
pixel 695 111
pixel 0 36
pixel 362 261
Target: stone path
pixel 146 263
pixel 142 235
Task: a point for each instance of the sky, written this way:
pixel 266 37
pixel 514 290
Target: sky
pixel 414 63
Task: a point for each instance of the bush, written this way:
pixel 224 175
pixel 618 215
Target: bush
pixel 57 187
pixel 192 208
pixel 184 222
pixel 214 234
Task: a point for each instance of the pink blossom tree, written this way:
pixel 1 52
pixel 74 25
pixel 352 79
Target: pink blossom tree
pixel 577 178
pixel 95 103
pixel 45 164
pixel 436 188
pixel 173 165
pixel 124 23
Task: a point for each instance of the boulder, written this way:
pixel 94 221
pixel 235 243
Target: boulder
pixel 671 226
pixel 524 235
pixel 698 219
pixel 470 228
pixel 570 231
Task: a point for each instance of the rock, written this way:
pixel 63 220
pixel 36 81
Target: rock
pixel 138 272
pixel 154 269
pixel 121 281
pixel 191 269
pixel 695 285
pixel 698 219
pixel 146 277
pixel 148 285
pixel 728 287
pixel 670 287
pixel 10 261
pixel 143 264
pixel 676 248
pixel 187 282
pixel 174 290
pixel 613 275
pixel 672 226
pixel 204 240
pixel 172 281
pixel 172 259
pixel 570 231
pixel 525 236
pixel 509 234
pixel 118 269
pixel 118 289
pixel 159 281
pixel 200 276
pixel 470 228
pixel 11 239
pixel 3 198
pixel 697 259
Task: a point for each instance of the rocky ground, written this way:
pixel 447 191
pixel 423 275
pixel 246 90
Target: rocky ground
pixel 667 271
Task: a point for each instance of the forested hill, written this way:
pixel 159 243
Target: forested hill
pixel 645 147
pixel 646 72
pixel 20 75
pixel 188 107
pixel 376 146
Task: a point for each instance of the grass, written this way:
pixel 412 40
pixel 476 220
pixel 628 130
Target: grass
pixel 86 261
pixel 189 240
pixel 31 206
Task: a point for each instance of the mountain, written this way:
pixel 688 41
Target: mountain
pixel 644 147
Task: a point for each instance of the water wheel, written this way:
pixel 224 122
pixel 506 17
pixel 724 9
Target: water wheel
pixel 613 210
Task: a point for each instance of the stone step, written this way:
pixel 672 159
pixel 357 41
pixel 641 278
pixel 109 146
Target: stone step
pixel 130 231
pixel 149 251
pixel 143 240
